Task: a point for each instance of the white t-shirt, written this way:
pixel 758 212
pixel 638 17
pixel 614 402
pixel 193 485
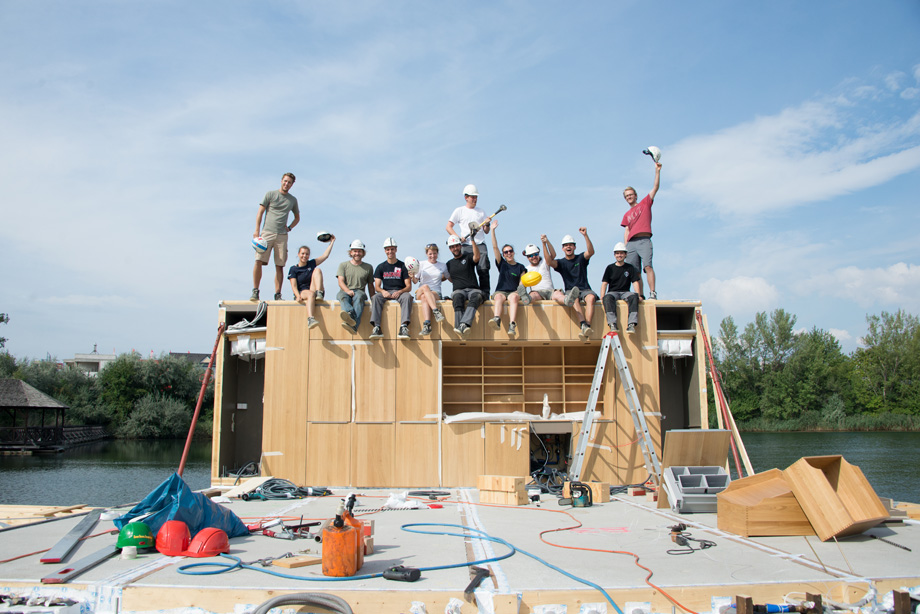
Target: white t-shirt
pixel 546 283
pixel 462 216
pixel 431 274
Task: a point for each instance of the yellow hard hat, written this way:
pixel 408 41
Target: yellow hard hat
pixel 531 278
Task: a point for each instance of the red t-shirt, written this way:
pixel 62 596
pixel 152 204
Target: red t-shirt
pixel 639 218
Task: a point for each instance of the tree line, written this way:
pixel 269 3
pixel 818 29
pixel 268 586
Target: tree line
pixel 779 379
pixel 133 398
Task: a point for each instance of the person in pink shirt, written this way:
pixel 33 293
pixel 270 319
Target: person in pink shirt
pixel 638 234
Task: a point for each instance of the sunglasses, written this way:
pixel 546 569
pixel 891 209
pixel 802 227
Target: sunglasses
pixel 508 251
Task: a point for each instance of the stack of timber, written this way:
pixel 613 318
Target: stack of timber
pixel 502 490
pixel 15 515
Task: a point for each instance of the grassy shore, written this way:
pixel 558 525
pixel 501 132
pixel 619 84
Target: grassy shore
pixel 818 421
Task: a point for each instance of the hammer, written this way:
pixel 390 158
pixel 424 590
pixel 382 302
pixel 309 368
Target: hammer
pixel 479 574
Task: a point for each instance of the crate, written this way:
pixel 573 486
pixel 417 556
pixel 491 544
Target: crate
pixel 694 489
pixel 502 490
pixel 835 495
pixel 761 505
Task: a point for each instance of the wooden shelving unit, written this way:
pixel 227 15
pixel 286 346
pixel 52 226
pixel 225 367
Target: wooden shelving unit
pixel 500 379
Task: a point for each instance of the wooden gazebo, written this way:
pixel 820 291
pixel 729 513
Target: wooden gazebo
pixel 36 420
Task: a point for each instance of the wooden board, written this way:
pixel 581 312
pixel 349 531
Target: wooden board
pixel 417 454
pixel 329 382
pixel 328 456
pixel 461 454
pixel 417 382
pixel 374 458
pixel 507 449
pixel 248 486
pixel 293 562
pixel 375 381
pixel 761 505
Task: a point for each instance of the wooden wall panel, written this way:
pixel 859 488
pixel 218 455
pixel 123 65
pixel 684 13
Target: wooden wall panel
pixel 329 382
pixel 416 463
pixel 600 458
pixel 507 449
pixel 284 420
pixel 547 321
pixel 461 454
pixel 375 381
pixel 417 381
pixel 328 455
pixel 373 455
pixel 478 329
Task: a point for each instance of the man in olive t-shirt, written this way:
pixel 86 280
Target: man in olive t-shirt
pixel 275 207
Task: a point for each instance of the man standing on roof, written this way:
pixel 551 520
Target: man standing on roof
pixel 638 232
pixel 619 278
pixel 574 272
pixel 354 276
pixel 392 283
pixel 459 222
pixel 275 207
pixel 466 297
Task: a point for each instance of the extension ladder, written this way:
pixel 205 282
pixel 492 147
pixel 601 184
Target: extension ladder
pixel 632 400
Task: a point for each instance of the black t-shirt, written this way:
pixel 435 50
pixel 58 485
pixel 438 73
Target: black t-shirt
pixel 574 272
pixel 302 274
pixel 393 276
pixel 620 278
pixel 462 272
pixel 509 275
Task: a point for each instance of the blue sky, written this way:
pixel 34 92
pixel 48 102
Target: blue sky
pixel 138 139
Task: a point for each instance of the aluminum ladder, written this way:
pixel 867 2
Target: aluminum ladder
pixel 632 400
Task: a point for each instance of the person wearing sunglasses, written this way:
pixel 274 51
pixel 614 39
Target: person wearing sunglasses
pixel 544 289
pixel 509 288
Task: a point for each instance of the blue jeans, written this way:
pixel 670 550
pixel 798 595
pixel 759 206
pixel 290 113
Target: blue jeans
pixel 353 304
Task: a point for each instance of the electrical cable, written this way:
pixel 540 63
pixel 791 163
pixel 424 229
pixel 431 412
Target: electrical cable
pixel 333 603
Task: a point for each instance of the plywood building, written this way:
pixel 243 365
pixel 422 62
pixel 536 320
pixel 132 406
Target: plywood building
pixel 324 407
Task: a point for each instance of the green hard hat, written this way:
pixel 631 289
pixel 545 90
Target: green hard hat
pixel 135 534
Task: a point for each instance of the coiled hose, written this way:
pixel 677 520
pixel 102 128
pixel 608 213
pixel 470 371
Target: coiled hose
pixel 330 602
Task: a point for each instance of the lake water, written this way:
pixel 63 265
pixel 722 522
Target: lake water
pixel 118 472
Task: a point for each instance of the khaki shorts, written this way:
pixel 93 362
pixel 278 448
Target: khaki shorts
pixel 544 294
pixel 276 243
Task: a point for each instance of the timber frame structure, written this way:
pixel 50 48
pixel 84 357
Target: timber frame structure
pixel 324 407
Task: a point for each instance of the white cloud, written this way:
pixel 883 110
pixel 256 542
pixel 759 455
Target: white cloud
pixel 917 73
pixel 803 154
pixel 897 286
pixel 893 80
pixel 843 336
pixel 910 93
pixel 740 296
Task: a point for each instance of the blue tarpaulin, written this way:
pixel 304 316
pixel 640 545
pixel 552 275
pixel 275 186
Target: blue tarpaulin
pixel 174 500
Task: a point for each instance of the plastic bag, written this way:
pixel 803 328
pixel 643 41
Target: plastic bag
pixel 174 500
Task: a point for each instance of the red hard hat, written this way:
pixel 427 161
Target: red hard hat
pixel 208 542
pixel 173 538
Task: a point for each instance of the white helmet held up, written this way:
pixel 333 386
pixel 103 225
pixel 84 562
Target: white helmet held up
pixel 531 249
pixel 470 190
pixel 453 240
pixel 389 242
pixel 654 152
pixel 567 239
pixel 619 247
pixel 357 244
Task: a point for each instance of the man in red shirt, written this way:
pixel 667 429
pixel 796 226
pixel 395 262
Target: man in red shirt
pixel 638 233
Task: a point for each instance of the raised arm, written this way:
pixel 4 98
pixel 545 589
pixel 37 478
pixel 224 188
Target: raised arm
pixel 657 181
pixel 549 252
pixel 325 256
pixel 495 250
pixel 589 247
pixel 476 252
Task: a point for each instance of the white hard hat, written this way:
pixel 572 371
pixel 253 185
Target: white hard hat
pixel 356 244
pixel 453 240
pixel 567 239
pixel 531 249
pixel 389 242
pixel 619 247
pixel 654 152
pixel 470 190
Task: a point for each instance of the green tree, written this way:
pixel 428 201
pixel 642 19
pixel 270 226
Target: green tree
pixel 4 318
pixel 121 385
pixel 886 372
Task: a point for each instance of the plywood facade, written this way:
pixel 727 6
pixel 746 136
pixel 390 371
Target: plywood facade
pixel 339 409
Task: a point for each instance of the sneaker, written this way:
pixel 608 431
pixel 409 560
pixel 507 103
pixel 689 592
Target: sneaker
pixel 495 323
pixel 631 328
pixel 320 295
pixel 512 329
pixel 438 316
pixel 653 296
pixel 585 330
pixel 255 295
pixel 612 327
pixel 277 296
pixel 524 294
pixel 347 318
pixel 571 296
pixel 403 332
pixel 376 334
pixel 426 329
pixel 311 322
pixel 458 329
pixel 464 330
pixel 350 328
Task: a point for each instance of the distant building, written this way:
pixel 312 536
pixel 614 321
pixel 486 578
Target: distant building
pixel 199 359
pixel 91 363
